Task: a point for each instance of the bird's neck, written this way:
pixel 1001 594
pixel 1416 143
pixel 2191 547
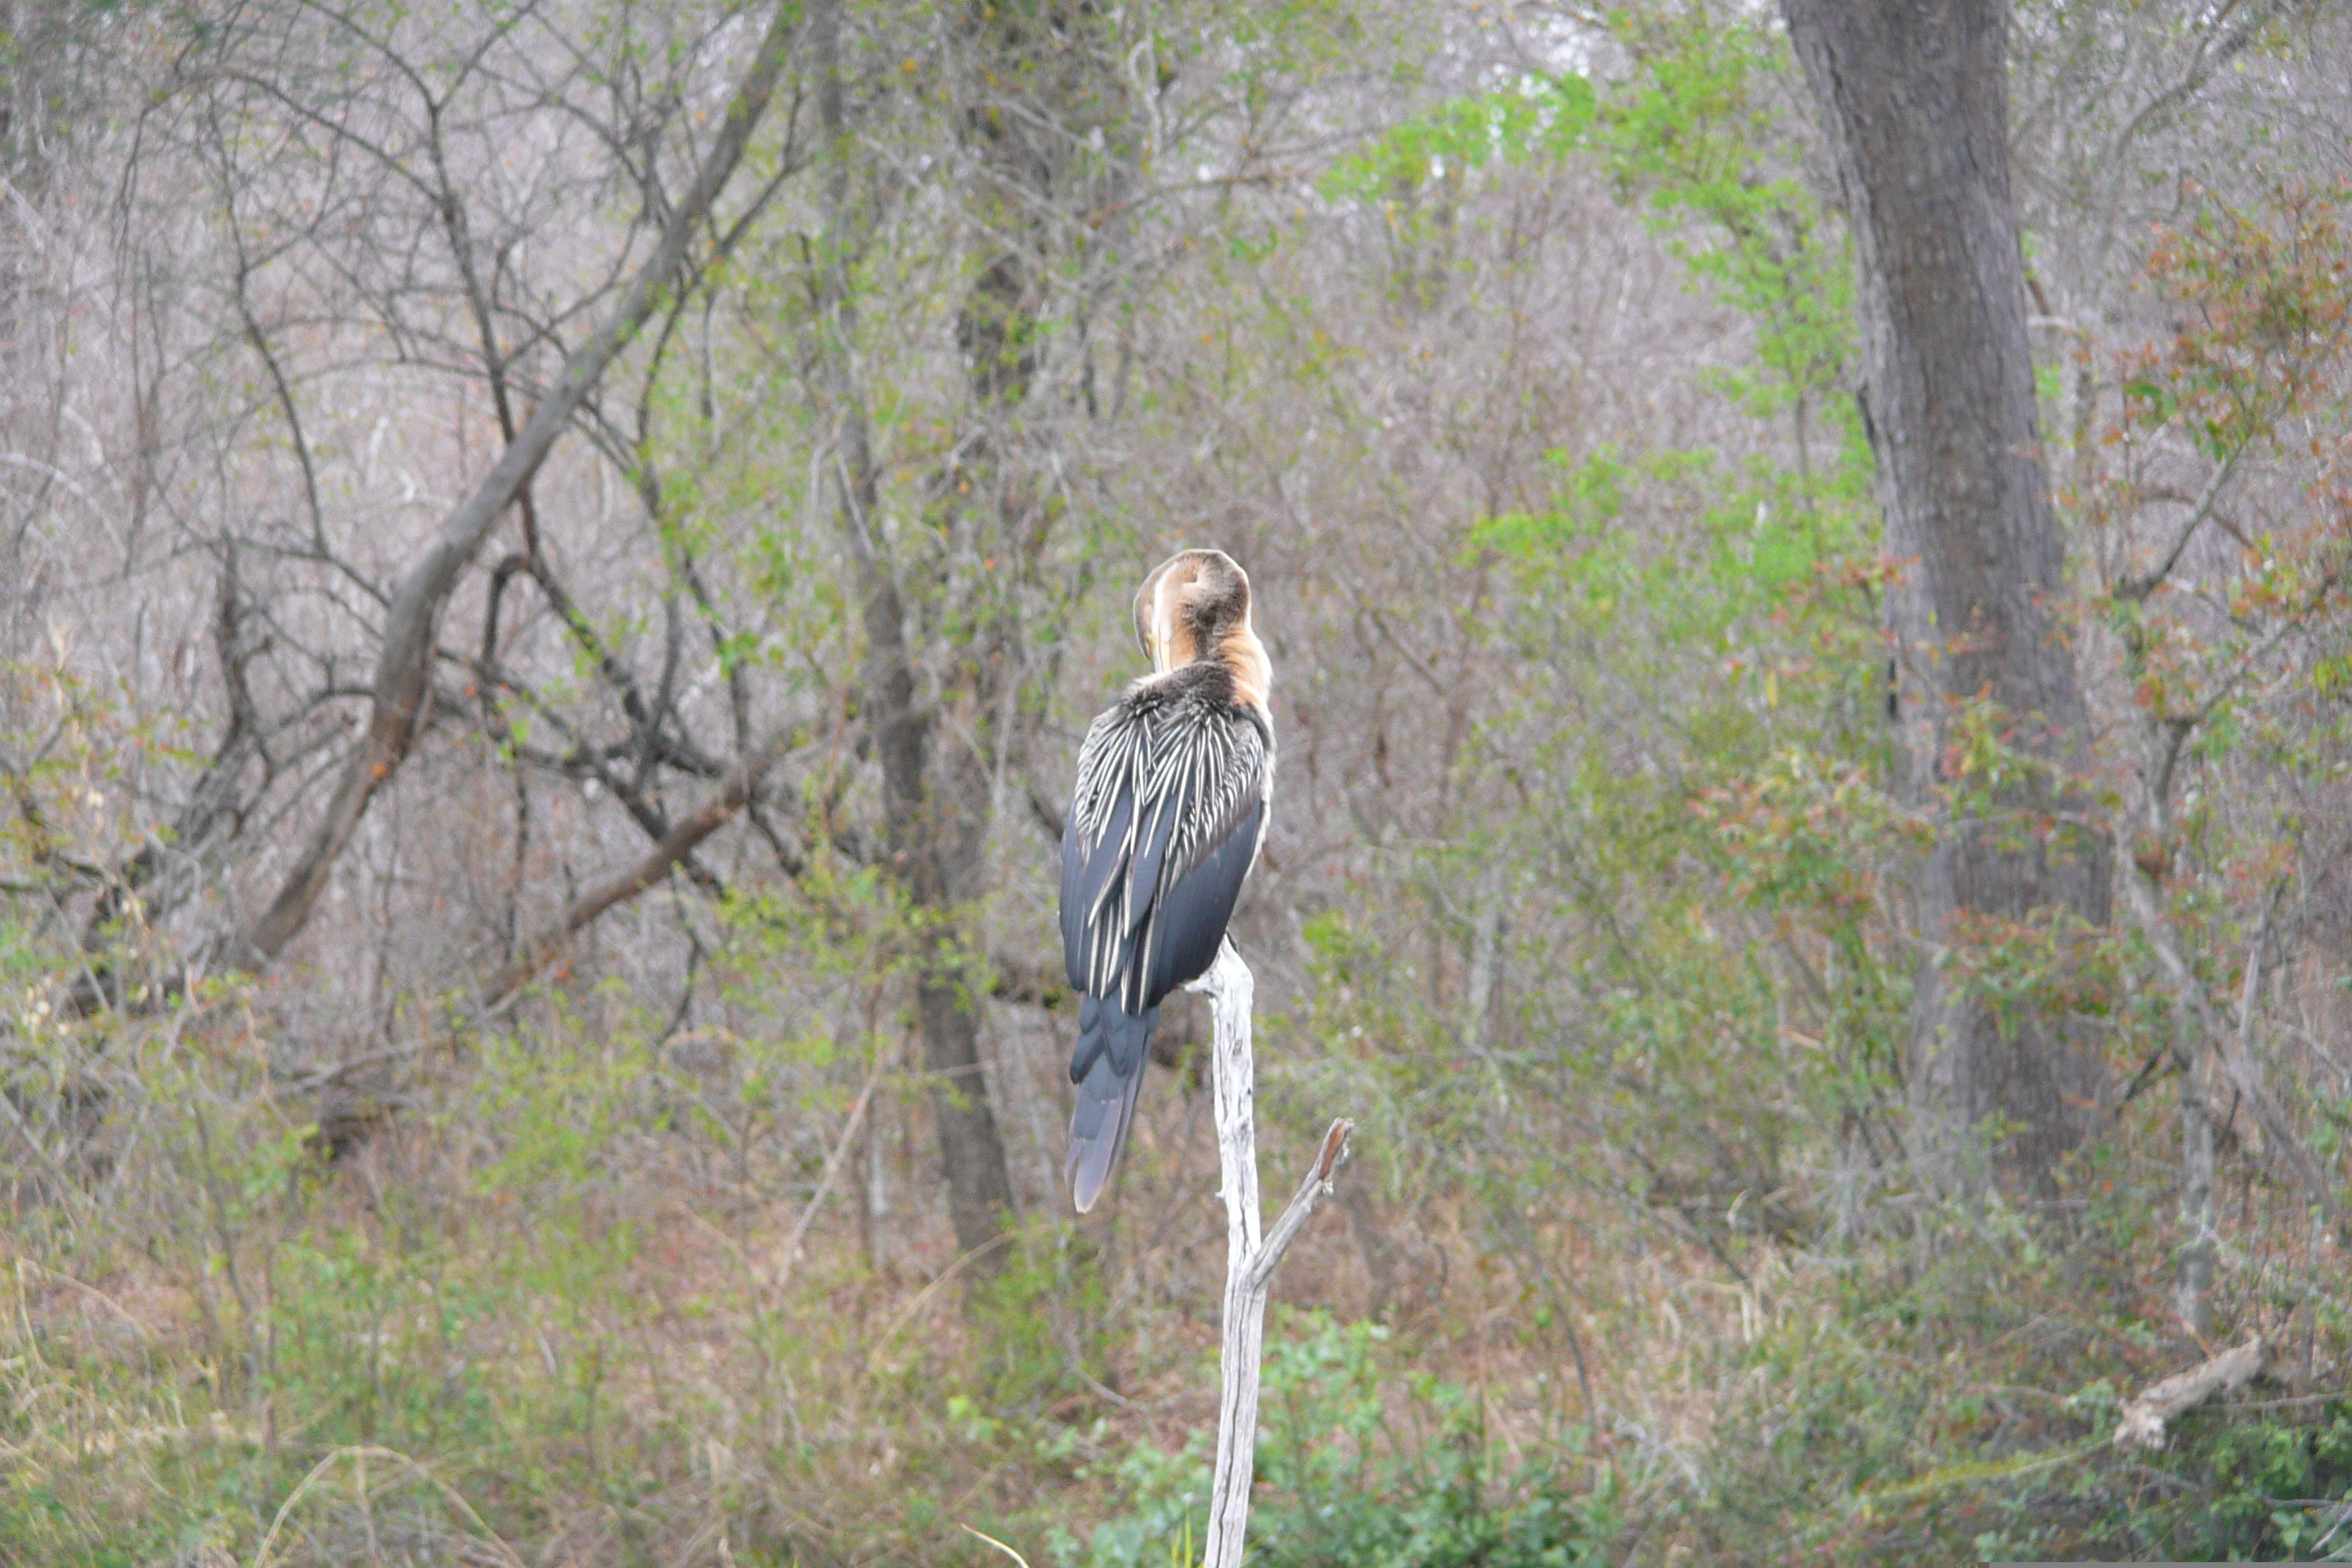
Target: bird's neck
pixel 1239 654
pixel 1244 659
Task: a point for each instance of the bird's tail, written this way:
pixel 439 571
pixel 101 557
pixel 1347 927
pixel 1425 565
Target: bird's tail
pixel 1107 1067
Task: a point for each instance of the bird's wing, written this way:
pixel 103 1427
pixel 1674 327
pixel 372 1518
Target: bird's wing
pixel 1099 841
pixel 1189 919
pixel 1221 770
pixel 1170 806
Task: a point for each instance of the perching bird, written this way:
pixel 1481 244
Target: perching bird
pixel 1175 782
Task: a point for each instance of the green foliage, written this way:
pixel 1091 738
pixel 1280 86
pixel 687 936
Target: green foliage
pixel 1763 543
pixel 1540 118
pixel 1969 1399
pixel 1783 548
pixel 1044 1323
pixel 2272 297
pixel 1690 139
pixel 2257 1491
pixel 1364 1463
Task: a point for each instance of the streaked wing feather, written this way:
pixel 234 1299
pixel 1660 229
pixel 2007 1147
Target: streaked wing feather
pixel 1164 823
pixel 1096 839
pixel 1163 819
pixel 1190 920
pixel 1074 899
pixel 1232 775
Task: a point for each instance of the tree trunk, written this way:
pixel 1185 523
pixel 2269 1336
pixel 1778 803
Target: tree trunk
pixel 1914 100
pixel 933 832
pixel 935 818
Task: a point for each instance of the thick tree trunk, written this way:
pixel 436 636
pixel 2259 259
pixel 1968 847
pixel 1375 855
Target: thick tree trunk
pixel 1914 97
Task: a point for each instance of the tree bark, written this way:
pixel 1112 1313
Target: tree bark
pixel 1914 99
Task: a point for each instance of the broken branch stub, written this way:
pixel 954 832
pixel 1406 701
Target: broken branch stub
pixel 2142 1426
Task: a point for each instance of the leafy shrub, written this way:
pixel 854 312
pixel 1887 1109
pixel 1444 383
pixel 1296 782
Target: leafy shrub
pixel 1360 1465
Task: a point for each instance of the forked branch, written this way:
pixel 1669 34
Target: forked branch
pixel 403 667
pixel 1251 1257
pixel 665 857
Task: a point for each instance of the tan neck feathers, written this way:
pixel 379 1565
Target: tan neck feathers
pixel 1240 652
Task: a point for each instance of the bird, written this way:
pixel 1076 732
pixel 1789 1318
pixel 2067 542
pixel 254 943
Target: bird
pixel 1174 790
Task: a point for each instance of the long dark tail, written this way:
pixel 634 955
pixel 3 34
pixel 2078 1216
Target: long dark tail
pixel 1107 1067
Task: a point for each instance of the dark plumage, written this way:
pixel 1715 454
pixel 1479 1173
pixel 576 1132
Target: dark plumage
pixel 1175 781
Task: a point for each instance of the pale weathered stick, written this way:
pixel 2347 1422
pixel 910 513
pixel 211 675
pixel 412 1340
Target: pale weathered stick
pixel 1250 1260
pixel 2144 1419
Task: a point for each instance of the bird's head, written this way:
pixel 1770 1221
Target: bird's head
pixel 1190 605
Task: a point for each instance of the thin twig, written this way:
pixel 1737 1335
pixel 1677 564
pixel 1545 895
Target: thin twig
pixel 832 1168
pixel 363 1453
pixel 982 1535
pixel 907 1313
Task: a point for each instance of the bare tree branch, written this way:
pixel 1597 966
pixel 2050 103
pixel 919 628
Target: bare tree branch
pixel 405 660
pixel 2284 1151
pixel 2140 588
pixel 1250 1260
pixel 690 830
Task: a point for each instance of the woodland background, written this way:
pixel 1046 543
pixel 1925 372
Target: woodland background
pixel 533 1026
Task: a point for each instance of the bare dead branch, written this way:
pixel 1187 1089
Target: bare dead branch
pixel 2203 67
pixel 690 830
pixel 1312 1190
pixel 2144 1419
pixel 1250 1260
pixel 405 660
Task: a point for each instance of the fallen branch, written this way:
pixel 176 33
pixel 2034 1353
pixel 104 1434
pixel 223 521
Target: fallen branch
pixel 1250 1258
pixel 2144 1419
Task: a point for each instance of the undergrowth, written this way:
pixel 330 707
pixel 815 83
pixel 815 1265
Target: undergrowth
pixel 529 1332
